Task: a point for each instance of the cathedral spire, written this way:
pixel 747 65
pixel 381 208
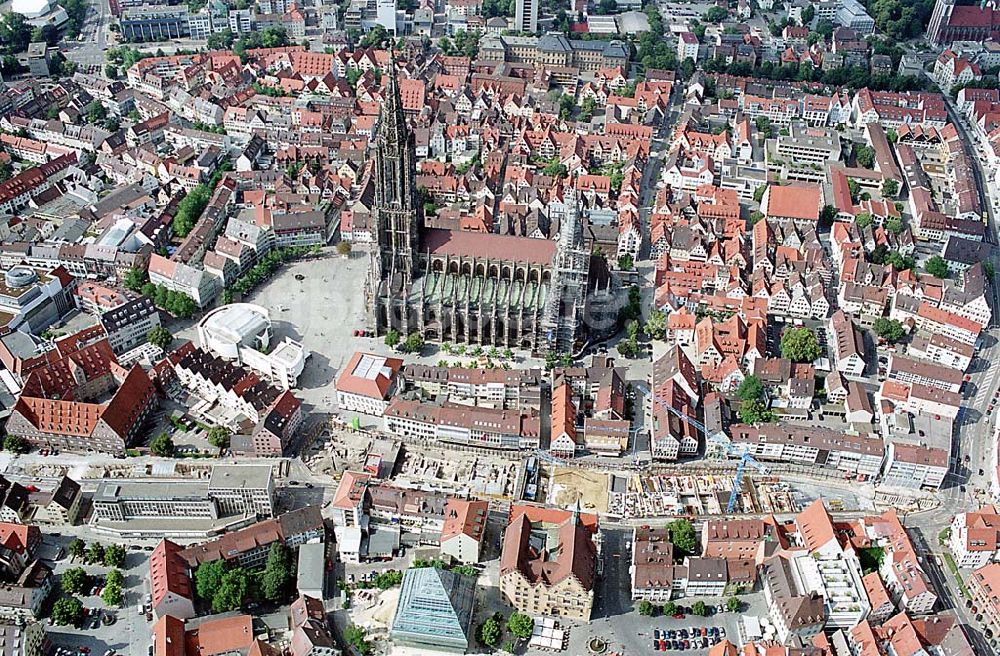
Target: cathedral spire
pixel 392 131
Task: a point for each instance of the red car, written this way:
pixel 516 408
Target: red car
pixel 678 616
pixel 663 646
pixel 84 649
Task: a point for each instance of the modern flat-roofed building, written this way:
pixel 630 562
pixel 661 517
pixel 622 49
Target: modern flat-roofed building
pixel 243 488
pixel 155 23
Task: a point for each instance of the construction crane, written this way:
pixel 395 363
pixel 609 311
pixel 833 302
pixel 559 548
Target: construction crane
pixel 725 445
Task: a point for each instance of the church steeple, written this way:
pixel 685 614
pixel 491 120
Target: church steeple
pixel 395 212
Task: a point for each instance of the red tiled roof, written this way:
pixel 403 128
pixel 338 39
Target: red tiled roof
pixel 799 201
pixel 168 573
pixel 498 247
pixel 462 516
pixel 367 374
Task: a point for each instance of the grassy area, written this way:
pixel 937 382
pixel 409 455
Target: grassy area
pixel 958 577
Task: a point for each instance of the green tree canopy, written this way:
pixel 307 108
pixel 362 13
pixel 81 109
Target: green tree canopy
pixel 750 389
pixel 77 547
pixel 490 632
pixel 218 436
pixel 160 336
pixel 15 444
pixel 865 155
pixel 162 445
pixel 937 267
pixel 208 578
pixel 114 556
pixel 95 552
pixel 134 279
pixel 75 580
pixel 656 325
pixel 733 605
pixel 698 608
pixel 357 637
pixel 683 537
pixel 800 345
pixel 520 625
pixel 67 611
pixel 232 591
pixel 278 573
pixel 890 330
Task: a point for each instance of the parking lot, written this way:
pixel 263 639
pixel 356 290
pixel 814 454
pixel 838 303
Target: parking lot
pixel 129 633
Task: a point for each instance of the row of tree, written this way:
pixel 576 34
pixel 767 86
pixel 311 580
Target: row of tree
pixel 227 588
pixel 265 268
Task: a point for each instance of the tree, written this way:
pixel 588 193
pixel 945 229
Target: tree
pixel 77 547
pixel 162 445
pixel 758 193
pixel 763 125
pixel 67 610
pixel 670 608
pixel 733 605
pixel 828 214
pixel 115 577
pixel 854 188
pixel 656 325
pixel 190 209
pixel 490 632
pixel 15 32
pixel 15 444
pixel 865 155
pixel 891 330
pixel 863 220
pixel 566 105
pixel 218 436
pixel 95 112
pixel 989 270
pixel 392 338
pixel 894 224
pixel 750 389
pixel 160 336
pixel 698 608
pixel 715 14
pixel 95 553
pixel 937 267
pixel 645 608
pixel 277 573
pixel 890 188
pixel 808 13
pixel 555 169
pixel 232 591
pixel 208 578
pixel 357 637
pixel 386 580
pixel 112 594
pixel 607 7
pixel 414 343
pixel 625 262
pixel 520 625
pixel 800 345
pixel 74 580
pixel 587 108
pixel 682 536
pixel 134 279
pixel 755 411
pixel 114 556
pixel 48 33
pixel 343 248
